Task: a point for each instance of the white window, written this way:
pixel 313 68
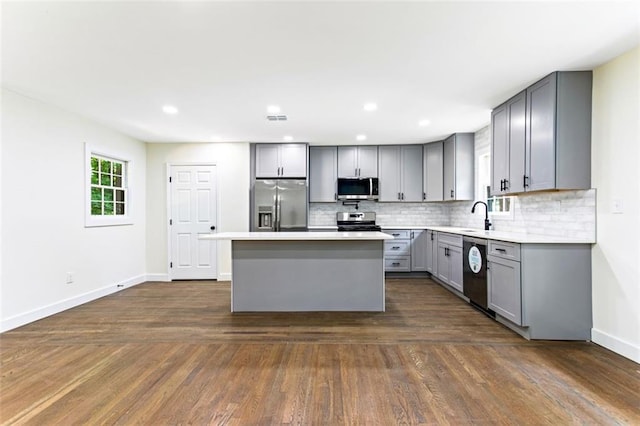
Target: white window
pixel 108 200
pixel 500 206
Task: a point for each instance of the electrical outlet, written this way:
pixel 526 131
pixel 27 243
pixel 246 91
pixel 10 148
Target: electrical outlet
pixel 70 277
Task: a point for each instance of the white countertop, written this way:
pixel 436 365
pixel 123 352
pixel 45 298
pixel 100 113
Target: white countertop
pixel 513 237
pixel 296 236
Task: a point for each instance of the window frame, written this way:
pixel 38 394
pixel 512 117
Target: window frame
pixel 108 220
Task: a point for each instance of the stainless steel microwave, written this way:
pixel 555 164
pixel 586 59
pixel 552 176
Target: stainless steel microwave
pixel 357 188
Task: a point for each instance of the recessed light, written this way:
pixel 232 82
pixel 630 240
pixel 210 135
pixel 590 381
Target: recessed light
pixel 370 106
pixel 288 138
pixel 424 123
pixel 170 109
pixel 273 109
pixel 361 137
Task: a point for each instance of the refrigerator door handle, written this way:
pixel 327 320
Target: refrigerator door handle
pixel 278 212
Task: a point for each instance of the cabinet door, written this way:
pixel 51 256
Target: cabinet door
pixel 443 263
pixel 293 160
pixel 432 251
pixel 499 149
pixel 433 171
pixel 540 144
pixel 368 161
pixel 455 267
pixel 419 249
pixel 347 161
pixel 267 161
pixel 389 173
pixel 411 171
pixel 516 116
pixel 504 285
pixel 323 171
pixel 449 169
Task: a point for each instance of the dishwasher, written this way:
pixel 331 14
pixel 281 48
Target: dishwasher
pixel 474 271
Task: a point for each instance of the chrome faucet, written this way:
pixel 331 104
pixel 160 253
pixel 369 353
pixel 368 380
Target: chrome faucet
pixel 487 224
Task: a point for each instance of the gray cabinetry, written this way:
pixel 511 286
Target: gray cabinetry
pixel 397 252
pixel 281 160
pixel 449 260
pixel 541 138
pixel 458 167
pixel 558 137
pixel 504 285
pixel 432 251
pixel 508 146
pixel 400 172
pixel 323 172
pixel 419 247
pixel 433 171
pixel 357 161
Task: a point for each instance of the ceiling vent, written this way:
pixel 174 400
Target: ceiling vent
pixel 277 117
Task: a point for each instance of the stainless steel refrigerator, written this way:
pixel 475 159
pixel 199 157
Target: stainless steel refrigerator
pixel 280 205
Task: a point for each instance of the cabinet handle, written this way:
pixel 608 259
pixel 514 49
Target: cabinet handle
pixel 506 184
pixel 396 263
pixel 501 185
pixel 335 196
pixel 424 195
pixel 525 181
pixel 501 250
pixel 396 235
pixel 402 196
pixel 395 248
pixel 432 236
pixel 398 195
pixel 452 193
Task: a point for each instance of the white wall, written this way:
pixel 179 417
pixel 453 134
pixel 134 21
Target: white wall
pixel 615 165
pixel 43 233
pixel 232 166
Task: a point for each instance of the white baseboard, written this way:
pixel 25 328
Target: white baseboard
pixel 619 346
pixel 158 277
pixel 37 314
pixel 226 276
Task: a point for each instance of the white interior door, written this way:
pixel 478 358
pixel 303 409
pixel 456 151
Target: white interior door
pixel 193 213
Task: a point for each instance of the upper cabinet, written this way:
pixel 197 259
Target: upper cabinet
pixel 433 171
pixel 458 167
pixel 400 172
pixel 357 161
pixel 551 147
pixel 508 146
pixel 281 160
pixel 323 173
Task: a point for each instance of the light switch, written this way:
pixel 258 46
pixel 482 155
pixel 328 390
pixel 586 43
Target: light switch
pixel 617 206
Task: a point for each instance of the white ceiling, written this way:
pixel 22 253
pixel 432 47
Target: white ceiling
pixel 222 63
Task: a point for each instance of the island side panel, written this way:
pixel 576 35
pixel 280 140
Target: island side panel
pixel 289 276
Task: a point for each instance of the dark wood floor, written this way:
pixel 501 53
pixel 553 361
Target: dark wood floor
pixel 171 353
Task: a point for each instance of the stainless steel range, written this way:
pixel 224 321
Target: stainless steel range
pixel 359 221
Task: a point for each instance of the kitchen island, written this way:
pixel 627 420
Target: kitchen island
pixel 306 271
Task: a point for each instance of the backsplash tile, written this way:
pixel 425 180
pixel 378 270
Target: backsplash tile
pixel 561 213
pixel 387 214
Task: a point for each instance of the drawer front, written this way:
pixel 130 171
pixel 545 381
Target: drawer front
pixel 510 251
pixel 398 234
pixel 451 239
pixel 398 264
pixel 397 248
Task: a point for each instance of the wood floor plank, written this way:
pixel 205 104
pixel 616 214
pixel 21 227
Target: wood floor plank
pixel 172 353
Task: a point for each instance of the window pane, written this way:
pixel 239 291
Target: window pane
pixel 95 178
pixel 94 164
pixel 96 208
pixel 117 181
pixel 108 194
pixel 96 193
pixel 105 166
pixel 119 208
pixel 119 195
pixel 105 179
pixel 108 208
pixel 117 169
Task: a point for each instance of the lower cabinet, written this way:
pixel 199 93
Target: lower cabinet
pixel 449 258
pixel 505 288
pixel 397 252
pixel 419 243
pixel 431 251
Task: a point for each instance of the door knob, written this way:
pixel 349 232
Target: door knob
pixel 213 228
